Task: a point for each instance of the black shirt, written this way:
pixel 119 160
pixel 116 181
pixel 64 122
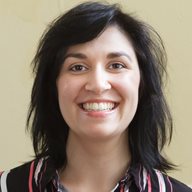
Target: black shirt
pixel 41 176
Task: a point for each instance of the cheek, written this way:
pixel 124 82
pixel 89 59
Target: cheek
pixel 66 96
pixel 128 85
pixel 68 90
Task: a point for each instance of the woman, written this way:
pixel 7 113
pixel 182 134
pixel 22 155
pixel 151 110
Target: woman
pixel 98 116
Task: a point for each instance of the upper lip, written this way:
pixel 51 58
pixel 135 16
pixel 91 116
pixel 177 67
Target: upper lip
pixel 98 101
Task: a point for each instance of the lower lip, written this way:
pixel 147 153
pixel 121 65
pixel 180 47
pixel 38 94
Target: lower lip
pixel 99 114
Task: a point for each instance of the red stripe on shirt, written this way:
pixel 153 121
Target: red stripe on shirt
pixel 170 184
pixel 31 177
pixel 149 183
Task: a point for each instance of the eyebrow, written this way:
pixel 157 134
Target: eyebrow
pixel 76 55
pixel 119 54
pixel 111 55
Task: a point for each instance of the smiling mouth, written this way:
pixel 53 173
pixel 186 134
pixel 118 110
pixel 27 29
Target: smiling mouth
pixel 103 106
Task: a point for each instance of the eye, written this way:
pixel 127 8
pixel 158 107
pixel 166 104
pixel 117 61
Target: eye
pixel 78 68
pixel 117 66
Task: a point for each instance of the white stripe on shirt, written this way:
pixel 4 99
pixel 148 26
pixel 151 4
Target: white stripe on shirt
pixel 3 183
pixel 161 181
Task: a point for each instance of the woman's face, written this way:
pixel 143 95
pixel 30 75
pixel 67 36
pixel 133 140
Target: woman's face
pixel 98 86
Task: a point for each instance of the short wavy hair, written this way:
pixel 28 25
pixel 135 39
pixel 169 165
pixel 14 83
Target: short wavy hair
pixel 151 126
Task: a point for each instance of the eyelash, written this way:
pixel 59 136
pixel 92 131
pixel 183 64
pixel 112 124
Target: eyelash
pixel 82 68
pixel 78 68
pixel 114 66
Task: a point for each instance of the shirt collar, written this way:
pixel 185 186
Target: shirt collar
pixel 135 175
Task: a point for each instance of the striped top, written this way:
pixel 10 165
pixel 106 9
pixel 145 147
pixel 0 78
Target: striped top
pixel 41 176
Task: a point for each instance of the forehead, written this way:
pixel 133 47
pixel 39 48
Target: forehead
pixel 112 39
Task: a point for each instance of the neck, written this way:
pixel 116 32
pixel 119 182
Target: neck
pixel 95 163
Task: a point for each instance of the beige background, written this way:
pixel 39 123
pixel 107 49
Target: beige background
pixel 21 25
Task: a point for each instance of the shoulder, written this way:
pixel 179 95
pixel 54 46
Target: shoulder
pixel 179 186
pixel 18 176
pixel 22 177
pixel 170 183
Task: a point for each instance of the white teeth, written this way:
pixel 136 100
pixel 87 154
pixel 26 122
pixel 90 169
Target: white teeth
pixel 98 106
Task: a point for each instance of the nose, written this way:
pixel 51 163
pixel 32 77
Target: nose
pixel 98 81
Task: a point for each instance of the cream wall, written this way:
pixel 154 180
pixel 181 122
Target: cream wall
pixel 21 25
